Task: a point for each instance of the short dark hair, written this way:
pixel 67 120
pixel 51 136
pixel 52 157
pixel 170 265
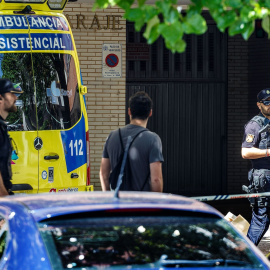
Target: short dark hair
pixel 140 105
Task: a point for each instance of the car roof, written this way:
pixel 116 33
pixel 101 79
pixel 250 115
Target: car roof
pixel 43 206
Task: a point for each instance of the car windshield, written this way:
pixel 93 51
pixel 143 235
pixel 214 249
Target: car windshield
pixel 145 241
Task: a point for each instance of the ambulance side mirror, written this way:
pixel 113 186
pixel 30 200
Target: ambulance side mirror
pixel 83 89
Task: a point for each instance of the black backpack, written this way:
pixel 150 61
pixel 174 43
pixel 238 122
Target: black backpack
pixel 114 176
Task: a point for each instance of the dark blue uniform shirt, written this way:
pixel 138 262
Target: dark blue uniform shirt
pixel 5 155
pixel 252 138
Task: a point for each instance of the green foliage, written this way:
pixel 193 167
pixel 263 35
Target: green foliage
pixel 194 24
pixel 166 19
pixel 152 34
pixel 224 19
pixel 266 24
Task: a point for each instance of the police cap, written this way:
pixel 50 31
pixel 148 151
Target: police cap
pixel 263 94
pixel 7 86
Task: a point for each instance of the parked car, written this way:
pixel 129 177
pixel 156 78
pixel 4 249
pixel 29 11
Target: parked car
pixel 98 230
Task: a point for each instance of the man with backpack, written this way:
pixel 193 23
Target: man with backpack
pixel 143 165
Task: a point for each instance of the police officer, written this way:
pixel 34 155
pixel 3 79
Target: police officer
pixel 7 104
pixel 256 147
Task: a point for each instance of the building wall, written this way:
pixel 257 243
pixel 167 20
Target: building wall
pixel 248 73
pixel 258 69
pixel 105 99
pixel 237 112
pixel 248 67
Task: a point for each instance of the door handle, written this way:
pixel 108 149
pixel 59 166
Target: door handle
pixel 51 157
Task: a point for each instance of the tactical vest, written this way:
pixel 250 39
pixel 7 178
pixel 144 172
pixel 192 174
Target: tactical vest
pixel 6 150
pixel 265 136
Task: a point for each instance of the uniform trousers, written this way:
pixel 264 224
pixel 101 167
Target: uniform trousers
pixel 259 224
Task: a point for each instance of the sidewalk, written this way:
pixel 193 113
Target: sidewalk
pixel 264 245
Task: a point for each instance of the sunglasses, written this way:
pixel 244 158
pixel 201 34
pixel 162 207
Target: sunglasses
pixel 265 102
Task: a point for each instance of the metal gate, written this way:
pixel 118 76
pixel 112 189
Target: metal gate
pixel 189 93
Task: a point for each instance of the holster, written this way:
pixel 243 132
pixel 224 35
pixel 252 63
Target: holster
pixel 259 180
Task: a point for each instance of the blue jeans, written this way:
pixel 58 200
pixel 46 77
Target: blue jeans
pixel 259 224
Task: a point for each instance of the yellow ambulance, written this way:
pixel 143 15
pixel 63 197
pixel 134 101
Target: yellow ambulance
pixel 49 132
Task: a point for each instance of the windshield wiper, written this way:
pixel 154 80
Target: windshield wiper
pixel 192 263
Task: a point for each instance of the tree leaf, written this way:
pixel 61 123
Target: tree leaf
pixel 150 12
pixel 133 14
pixel 197 5
pixel 171 32
pixel 245 13
pixel 141 2
pixel 267 3
pixel 249 29
pixel 237 27
pixel 100 4
pixel 164 7
pixel 194 24
pixel 260 11
pixel 125 4
pixel 173 16
pixel 153 35
pixel 212 4
pixel 179 46
pixel 139 24
pixel 266 25
pixel 234 3
pixel 150 24
pixel 225 19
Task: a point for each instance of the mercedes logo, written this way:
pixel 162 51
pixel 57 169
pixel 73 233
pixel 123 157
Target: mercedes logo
pixel 38 143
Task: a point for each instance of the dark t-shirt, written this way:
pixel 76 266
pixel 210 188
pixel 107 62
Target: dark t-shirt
pixel 252 138
pixel 146 149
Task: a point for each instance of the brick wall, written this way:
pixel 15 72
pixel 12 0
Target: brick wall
pixel 238 97
pixel 248 73
pixel 258 68
pixel 105 99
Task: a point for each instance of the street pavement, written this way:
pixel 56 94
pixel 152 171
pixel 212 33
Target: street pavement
pixel 264 245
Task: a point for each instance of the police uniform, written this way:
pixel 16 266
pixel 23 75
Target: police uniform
pixel 257 135
pixel 5 156
pixel 5 143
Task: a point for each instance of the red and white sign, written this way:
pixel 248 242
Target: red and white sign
pixel 112 60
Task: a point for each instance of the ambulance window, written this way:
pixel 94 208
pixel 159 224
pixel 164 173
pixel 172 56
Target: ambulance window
pixel 17 68
pixel 58 100
pixel 49 80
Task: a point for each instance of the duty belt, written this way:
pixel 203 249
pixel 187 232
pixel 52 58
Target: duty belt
pixel 259 179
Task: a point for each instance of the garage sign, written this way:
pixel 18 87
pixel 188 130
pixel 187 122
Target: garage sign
pixel 112 60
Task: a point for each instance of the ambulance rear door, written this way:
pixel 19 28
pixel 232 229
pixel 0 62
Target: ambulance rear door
pixel 61 132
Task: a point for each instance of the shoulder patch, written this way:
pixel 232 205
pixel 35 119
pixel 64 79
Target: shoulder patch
pixel 250 138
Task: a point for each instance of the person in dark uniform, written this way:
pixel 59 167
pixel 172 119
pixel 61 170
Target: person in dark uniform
pixel 7 104
pixel 256 147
